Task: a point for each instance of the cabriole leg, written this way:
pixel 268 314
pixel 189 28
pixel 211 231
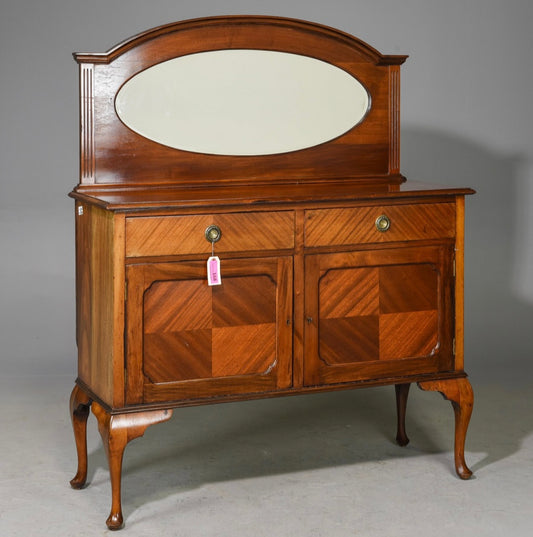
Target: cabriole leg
pixel 459 393
pixel 80 404
pixel 116 431
pixel 402 391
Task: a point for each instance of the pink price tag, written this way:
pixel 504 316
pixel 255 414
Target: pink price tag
pixel 213 271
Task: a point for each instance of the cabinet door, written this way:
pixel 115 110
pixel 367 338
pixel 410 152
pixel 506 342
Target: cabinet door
pixel 187 340
pixel 378 314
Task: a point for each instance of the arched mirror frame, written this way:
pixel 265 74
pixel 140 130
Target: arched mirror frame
pixel 113 155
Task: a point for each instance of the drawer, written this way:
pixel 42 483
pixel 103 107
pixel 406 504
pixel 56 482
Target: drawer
pixel 185 235
pixel 359 225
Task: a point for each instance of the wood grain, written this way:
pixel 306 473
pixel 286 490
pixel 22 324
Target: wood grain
pixel 349 340
pixel 408 335
pixel 100 291
pixel 244 350
pixel 356 225
pixel 349 293
pixel 182 235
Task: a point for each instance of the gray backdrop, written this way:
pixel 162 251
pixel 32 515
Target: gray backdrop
pixel 467 119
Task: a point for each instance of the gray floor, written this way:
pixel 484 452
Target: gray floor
pixel 319 465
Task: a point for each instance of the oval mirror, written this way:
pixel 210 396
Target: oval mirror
pixel 242 102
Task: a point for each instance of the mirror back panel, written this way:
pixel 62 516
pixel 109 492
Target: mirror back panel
pixel 242 147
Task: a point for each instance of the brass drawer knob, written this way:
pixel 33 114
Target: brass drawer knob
pixel 213 234
pixel 382 223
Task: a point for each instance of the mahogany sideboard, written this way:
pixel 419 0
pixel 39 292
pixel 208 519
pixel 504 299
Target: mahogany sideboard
pixel 269 150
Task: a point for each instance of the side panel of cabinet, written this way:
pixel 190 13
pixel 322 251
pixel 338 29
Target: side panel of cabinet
pixel 187 340
pixel 99 302
pixel 378 314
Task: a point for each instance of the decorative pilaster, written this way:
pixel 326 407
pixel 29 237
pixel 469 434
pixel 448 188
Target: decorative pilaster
pixel 87 153
pixel 394 119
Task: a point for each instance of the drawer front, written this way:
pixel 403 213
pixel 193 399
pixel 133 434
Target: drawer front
pixel 359 225
pixel 185 235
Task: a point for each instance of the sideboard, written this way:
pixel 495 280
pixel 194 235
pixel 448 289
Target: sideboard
pixel 243 231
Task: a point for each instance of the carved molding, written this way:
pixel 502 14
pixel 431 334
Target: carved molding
pixel 394 143
pixel 203 25
pixel 87 160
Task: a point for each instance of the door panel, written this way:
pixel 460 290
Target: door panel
pixel 380 313
pixel 197 340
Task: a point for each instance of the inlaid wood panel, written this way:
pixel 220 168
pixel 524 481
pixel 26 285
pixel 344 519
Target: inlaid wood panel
pixel 244 300
pixel 405 335
pixel 397 318
pixel 350 339
pixel 379 311
pixel 349 293
pixel 177 306
pixel 357 225
pixel 408 288
pixel 182 235
pixel 193 339
pixel 243 350
pixel 193 331
pixel 175 356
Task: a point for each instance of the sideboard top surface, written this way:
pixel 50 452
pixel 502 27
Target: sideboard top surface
pixel 255 196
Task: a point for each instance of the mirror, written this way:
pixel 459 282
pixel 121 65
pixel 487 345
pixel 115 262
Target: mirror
pixel 242 102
